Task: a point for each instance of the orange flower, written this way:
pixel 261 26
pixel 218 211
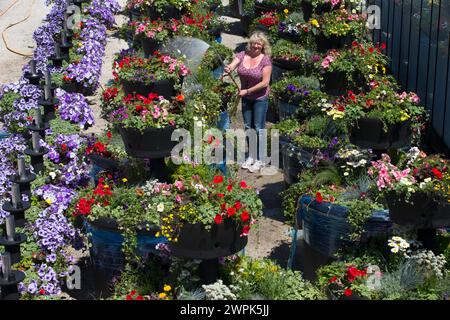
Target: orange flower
pixel 180 98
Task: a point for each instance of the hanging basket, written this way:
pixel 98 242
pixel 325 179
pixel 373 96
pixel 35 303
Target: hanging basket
pixel 326 228
pixel 107 164
pixel 153 143
pixel 420 211
pixel 370 133
pixel 333 42
pixel 222 240
pixel 165 88
pixel 295 160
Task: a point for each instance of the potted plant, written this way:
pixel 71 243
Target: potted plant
pixel 210 219
pixel 292 27
pixel 381 118
pixel 159 74
pixel 336 29
pixel 298 93
pixel 151 34
pixel 343 280
pixel 351 69
pixel 167 9
pixel 121 221
pixel 289 56
pixel 416 188
pixel 267 22
pixel 145 123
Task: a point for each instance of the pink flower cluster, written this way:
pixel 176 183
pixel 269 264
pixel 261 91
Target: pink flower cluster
pixel 412 97
pixel 330 58
pixel 388 175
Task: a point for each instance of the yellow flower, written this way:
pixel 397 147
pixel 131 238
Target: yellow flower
pixel 162 295
pixel 404 116
pixel 315 23
pixel 124 180
pixel 167 287
pixel 157 234
pixel 49 201
pixel 286 11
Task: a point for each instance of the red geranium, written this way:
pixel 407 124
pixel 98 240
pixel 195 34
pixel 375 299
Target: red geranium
pixel 243 184
pixel 348 292
pixel 238 205
pixel 319 197
pixel 218 219
pixel 245 216
pixel 218 179
pixel 231 211
pixel 437 173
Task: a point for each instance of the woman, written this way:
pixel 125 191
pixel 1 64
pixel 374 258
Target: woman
pixel 254 69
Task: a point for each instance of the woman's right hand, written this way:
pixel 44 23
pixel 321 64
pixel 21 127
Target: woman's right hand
pixel 227 69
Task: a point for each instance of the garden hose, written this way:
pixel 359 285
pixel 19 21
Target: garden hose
pixel 9 7
pixel 14 24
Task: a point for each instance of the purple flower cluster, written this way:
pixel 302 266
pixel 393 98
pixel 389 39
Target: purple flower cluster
pixel 298 91
pixel 73 107
pixel 105 10
pixel 9 148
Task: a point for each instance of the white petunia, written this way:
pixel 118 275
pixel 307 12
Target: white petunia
pixel 160 207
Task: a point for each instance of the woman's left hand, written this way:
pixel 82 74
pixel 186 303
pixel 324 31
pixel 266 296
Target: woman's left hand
pixel 243 93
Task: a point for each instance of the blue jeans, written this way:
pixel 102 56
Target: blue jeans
pixel 254 113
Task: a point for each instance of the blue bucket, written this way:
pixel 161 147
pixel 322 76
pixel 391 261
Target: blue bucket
pixel 218 72
pixel 326 228
pixel 106 247
pixel 4 135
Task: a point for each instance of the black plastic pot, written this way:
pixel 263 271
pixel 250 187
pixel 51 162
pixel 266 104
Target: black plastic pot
pixel 75 87
pixel 334 42
pixel 149 46
pixel 296 38
pixel 335 83
pixel 261 8
pixel 261 27
pixel 134 14
pixel 307 9
pixel 164 88
pixel 168 12
pixel 154 143
pixel 246 21
pixel 288 65
pixel 369 133
pixel 104 163
pixel 420 211
pixel 287 109
pixel 234 8
pixel 295 160
pixel 222 240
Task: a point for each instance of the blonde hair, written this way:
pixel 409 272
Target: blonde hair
pixel 259 36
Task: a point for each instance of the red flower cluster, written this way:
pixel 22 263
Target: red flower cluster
pixel 269 19
pixel 110 93
pixel 99 197
pixel 99 148
pixel 132 294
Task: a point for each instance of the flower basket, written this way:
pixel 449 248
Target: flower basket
pixel 165 88
pixel 149 46
pixel 106 242
pixel 195 242
pixel 334 42
pixel 420 211
pixel 369 133
pixel 326 228
pixel 168 12
pixel 75 87
pixel 287 64
pixel 153 143
pixel 287 109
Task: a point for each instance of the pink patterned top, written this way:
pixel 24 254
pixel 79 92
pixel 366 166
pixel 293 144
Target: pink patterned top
pixel 253 76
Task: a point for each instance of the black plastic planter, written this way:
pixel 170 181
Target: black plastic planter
pixel 369 133
pixel 286 110
pixel 154 143
pixel 134 14
pixel 222 240
pixel 295 160
pixel 420 211
pixel 334 42
pixel 246 21
pixel 335 83
pixel 164 88
pixel 107 164
pixel 288 65
pixel 149 46
pixel 75 87
pixel 296 38
pixel 234 8
pixel 168 12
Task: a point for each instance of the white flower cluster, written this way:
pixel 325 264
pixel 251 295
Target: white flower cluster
pixel 427 262
pixel 398 244
pixel 355 159
pixel 218 291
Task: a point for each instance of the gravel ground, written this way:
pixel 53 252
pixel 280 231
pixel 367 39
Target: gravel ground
pixel 272 239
